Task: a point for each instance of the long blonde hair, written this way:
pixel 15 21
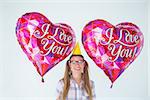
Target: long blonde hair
pixel 85 77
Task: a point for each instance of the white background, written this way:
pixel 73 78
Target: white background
pixel 19 79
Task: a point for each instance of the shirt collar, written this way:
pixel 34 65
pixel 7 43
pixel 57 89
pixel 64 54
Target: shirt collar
pixel 72 81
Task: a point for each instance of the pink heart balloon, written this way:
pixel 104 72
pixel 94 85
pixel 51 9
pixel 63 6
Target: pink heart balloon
pixel 45 43
pixel 112 48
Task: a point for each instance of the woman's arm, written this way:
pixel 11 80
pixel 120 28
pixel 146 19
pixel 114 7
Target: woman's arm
pixel 59 90
pixel 93 90
pixel 59 96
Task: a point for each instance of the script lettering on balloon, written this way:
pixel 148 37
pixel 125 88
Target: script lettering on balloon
pixel 57 46
pixel 124 46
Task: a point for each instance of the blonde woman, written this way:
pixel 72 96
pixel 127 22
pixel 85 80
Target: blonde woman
pixel 76 85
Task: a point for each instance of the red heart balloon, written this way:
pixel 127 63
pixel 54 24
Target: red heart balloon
pixel 112 48
pixel 45 43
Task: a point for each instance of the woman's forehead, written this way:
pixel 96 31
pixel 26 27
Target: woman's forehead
pixel 76 58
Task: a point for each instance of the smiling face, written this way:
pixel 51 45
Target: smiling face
pixel 77 65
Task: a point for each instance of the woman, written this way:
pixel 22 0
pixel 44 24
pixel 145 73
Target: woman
pixel 75 84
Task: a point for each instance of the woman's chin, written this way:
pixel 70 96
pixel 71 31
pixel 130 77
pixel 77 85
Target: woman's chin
pixel 77 70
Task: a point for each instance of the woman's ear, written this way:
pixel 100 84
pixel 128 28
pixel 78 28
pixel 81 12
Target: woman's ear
pixel 82 71
pixel 68 63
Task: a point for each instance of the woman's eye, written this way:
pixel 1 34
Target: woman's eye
pixel 80 62
pixel 73 62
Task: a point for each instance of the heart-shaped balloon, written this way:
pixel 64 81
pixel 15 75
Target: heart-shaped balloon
pixel 45 43
pixel 112 48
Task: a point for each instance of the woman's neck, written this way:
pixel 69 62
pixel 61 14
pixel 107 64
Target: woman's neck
pixel 77 78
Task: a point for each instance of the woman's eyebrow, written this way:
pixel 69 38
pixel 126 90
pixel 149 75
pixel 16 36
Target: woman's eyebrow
pixel 77 60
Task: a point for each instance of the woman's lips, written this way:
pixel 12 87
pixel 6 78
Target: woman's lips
pixel 77 68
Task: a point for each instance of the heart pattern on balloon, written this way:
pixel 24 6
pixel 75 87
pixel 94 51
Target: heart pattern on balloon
pixel 44 43
pixel 112 48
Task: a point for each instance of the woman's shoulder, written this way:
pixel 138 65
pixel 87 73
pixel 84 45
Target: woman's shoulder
pixel 60 84
pixel 61 81
pixel 92 83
